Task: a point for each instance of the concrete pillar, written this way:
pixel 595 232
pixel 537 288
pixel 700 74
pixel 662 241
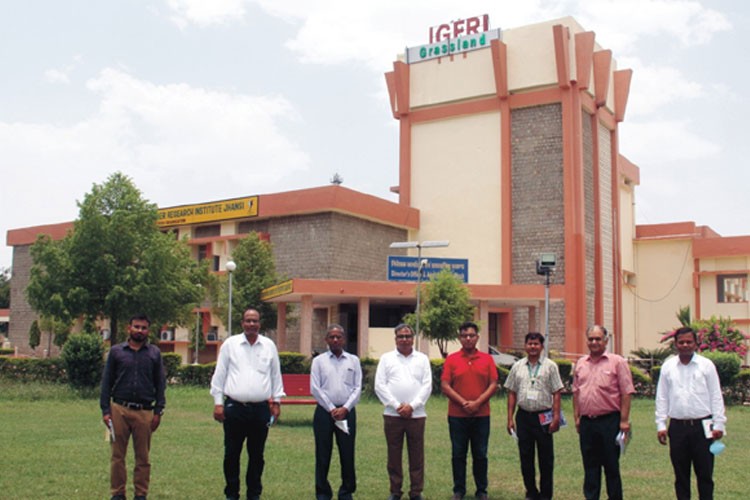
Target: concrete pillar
pixel 305 326
pixel 281 326
pixel 363 327
pixel 484 324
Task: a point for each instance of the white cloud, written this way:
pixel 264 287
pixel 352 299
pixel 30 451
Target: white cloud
pixel 206 12
pixel 621 23
pixel 56 76
pixel 179 143
pixel 664 143
pixel 655 86
pixel 373 33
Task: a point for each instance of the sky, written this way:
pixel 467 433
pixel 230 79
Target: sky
pixel 200 100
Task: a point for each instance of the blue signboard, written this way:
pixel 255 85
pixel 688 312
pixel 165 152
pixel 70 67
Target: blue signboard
pixel 404 268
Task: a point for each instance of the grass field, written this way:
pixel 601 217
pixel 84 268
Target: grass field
pixel 52 446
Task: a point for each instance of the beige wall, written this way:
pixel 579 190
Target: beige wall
pixel 664 274
pixel 627 264
pixel 439 80
pixel 531 56
pixel 627 227
pixel 456 185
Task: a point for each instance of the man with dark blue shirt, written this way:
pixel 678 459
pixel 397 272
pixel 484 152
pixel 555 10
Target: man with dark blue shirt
pixel 132 402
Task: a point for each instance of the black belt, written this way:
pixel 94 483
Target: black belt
pixel 227 399
pixel 534 412
pixel 604 415
pixel 133 406
pixel 688 421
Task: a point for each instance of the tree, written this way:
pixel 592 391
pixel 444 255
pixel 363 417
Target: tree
pixel 35 335
pixel 83 358
pixel 4 288
pixel 114 263
pixel 255 271
pixel 4 295
pixel 446 303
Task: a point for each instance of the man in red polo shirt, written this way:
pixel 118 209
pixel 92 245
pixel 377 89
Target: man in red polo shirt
pixel 602 387
pixel 469 380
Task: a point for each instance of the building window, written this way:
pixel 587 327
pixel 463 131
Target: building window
pixel 217 262
pixel 732 288
pixel 207 231
pixel 202 252
pixel 388 316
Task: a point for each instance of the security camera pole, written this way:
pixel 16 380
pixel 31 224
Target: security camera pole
pixel 545 266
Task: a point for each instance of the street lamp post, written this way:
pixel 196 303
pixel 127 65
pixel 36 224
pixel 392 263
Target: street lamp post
pixel 420 268
pixel 197 326
pixel 545 266
pixel 197 332
pixel 230 267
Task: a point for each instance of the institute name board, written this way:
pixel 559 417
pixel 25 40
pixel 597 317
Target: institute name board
pixel 455 37
pixel 283 288
pixel 405 268
pixel 236 208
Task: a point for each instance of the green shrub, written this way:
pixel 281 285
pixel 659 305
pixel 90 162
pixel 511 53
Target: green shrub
pixel 199 375
pixel 655 372
pixel 436 366
pixel 369 366
pixel 502 376
pixel 648 358
pixel 642 382
pixel 83 359
pixel 727 364
pixel 294 362
pixel 6 351
pixel 565 366
pixel 743 377
pixel 32 370
pixel 172 362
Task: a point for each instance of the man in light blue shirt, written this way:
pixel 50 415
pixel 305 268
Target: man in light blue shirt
pixel 336 384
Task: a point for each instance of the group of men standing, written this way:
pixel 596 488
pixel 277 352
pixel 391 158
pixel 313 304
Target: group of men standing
pixel 247 388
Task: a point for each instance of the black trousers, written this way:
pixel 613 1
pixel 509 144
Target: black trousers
pixel 532 437
pixel 324 428
pixel 244 422
pixel 688 445
pixel 600 450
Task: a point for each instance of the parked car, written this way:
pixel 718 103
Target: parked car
pixel 501 358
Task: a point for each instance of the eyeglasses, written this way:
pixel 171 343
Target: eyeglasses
pixel 596 339
pixel 335 337
pixel 404 337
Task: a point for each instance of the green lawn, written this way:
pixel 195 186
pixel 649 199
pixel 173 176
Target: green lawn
pixel 52 446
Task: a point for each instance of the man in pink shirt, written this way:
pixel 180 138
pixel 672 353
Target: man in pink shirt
pixel 602 387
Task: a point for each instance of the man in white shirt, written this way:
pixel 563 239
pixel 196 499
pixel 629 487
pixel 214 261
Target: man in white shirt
pixel 403 383
pixel 336 384
pixel 247 390
pixel 689 394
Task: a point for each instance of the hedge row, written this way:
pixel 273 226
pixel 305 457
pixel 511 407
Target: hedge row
pixel 52 370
